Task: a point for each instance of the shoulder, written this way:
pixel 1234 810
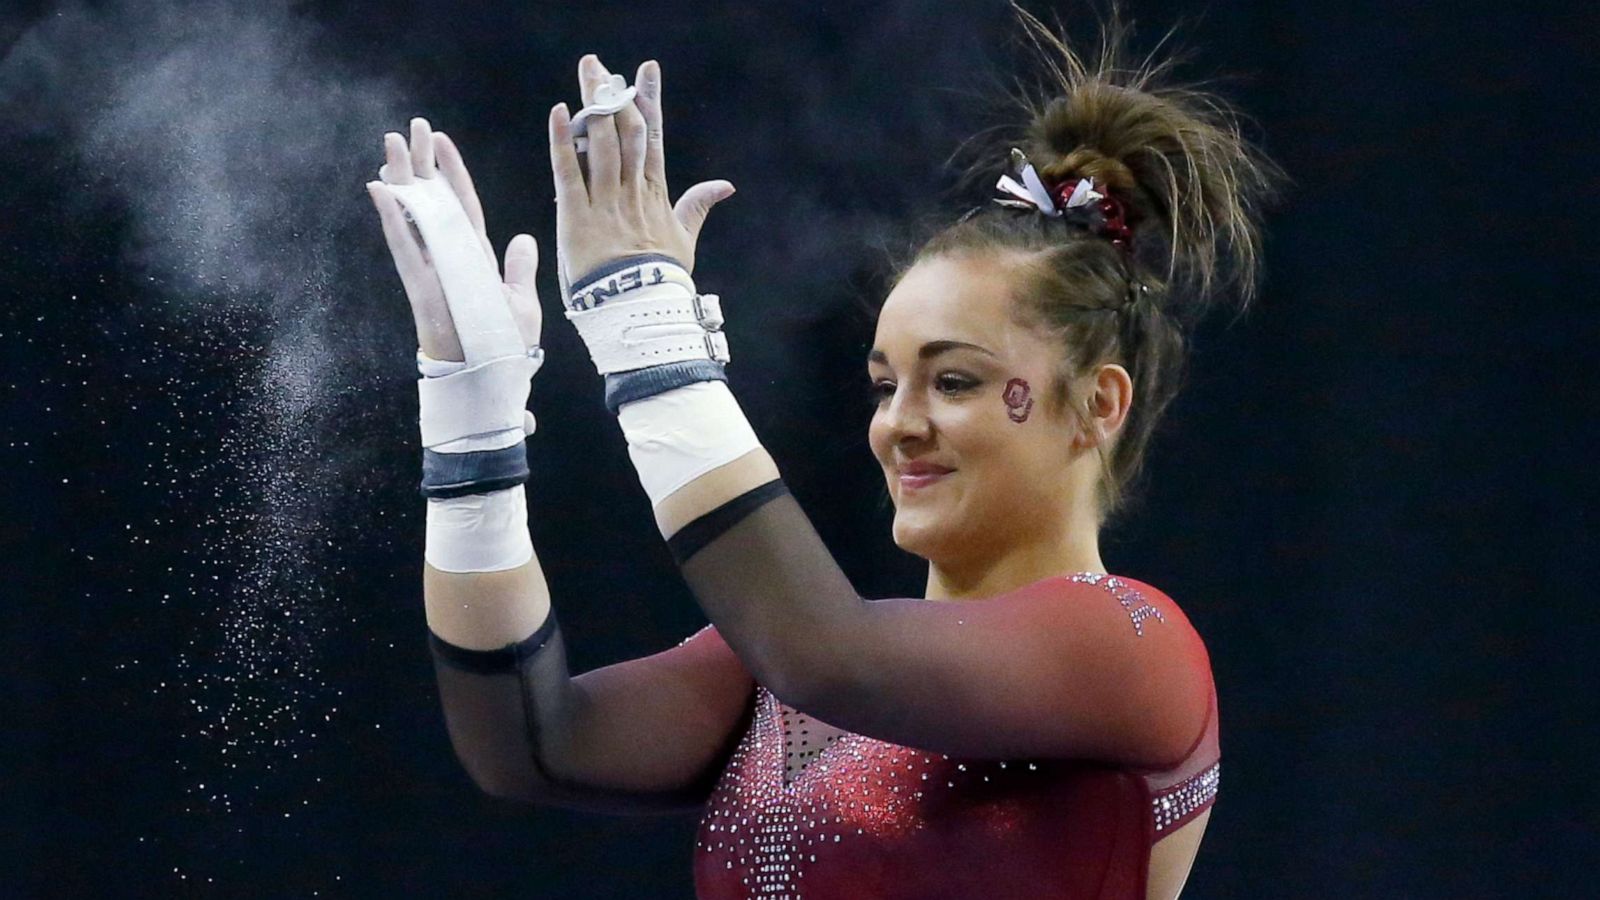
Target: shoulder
pixel 1150 651
pixel 1145 606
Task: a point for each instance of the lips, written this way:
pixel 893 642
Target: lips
pixel 916 475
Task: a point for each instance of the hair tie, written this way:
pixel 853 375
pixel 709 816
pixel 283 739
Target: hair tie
pixel 1079 200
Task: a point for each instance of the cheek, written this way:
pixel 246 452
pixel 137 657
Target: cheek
pixel 1008 441
pixel 979 434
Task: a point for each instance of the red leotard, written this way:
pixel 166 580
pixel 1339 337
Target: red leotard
pixel 865 818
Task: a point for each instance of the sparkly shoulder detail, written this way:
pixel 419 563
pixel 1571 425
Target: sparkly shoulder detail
pixel 1129 596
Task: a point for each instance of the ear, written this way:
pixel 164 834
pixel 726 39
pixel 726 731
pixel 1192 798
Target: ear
pixel 1110 398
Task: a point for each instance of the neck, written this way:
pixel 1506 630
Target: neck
pixel 1074 550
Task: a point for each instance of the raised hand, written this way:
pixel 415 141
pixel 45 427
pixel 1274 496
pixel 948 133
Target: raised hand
pixel 433 155
pixel 622 207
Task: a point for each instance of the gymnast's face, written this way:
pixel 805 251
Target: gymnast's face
pixel 974 459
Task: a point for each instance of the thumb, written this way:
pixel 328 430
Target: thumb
pixel 692 207
pixel 522 264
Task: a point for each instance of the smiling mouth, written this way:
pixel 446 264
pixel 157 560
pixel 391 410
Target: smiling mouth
pixel 916 482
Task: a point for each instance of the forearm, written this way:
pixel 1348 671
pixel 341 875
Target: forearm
pixel 482 585
pixel 505 694
pixel 485 610
pixel 508 698
pixel 713 489
pixel 699 460
pixel 523 727
pixel 772 590
pixel 760 572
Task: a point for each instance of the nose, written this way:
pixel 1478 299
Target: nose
pixel 907 418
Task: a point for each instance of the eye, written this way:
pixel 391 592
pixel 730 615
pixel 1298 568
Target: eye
pixel 879 391
pixel 952 383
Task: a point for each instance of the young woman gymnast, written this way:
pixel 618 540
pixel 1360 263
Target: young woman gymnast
pixel 1033 725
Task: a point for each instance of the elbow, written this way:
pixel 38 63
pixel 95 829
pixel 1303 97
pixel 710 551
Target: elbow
pixel 504 775
pixel 502 783
pixel 788 676
pixel 518 778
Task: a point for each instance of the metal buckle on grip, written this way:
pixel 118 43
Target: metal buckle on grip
pixel 717 346
pixel 708 311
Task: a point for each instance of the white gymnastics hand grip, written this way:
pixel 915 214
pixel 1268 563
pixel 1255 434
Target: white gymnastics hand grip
pixel 472 287
pixel 487 398
pixel 610 98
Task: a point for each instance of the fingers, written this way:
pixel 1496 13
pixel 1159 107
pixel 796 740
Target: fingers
pixel 605 168
pixel 522 265
pixel 408 258
pixel 631 142
pixel 455 172
pixel 422 160
pixel 397 160
pixel 648 81
pixel 697 201
pixel 589 77
pixel 522 262
pixel 569 185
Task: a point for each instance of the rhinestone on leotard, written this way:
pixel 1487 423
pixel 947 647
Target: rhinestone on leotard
pixel 1173 804
pixel 695 635
pixel 1129 596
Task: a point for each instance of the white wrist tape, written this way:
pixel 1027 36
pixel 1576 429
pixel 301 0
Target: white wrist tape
pixel 479 532
pixel 646 313
pixel 476 401
pixel 438 368
pixel 677 436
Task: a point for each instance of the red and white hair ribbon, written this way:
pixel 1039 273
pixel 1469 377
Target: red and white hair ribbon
pixel 1024 184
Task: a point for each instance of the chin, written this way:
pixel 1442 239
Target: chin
pixel 930 540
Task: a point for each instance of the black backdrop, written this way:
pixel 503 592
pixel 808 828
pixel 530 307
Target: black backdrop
pixel 1374 499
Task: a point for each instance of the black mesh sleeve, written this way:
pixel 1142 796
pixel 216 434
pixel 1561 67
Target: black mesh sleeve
pixel 1060 668
pixel 648 735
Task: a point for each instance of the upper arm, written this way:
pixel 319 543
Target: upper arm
pixel 1057 669
pixel 1062 669
pixel 648 734
pixel 664 722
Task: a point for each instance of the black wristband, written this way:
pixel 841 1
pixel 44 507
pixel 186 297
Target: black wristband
pixel 692 538
pixel 490 662
pixel 626 387
pixel 478 472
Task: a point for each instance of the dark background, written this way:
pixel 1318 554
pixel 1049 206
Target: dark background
pixel 1374 499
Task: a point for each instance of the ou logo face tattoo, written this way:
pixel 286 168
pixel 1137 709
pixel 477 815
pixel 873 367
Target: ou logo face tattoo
pixel 1019 402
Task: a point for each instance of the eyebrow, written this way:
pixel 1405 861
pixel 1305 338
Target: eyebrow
pixel 930 350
